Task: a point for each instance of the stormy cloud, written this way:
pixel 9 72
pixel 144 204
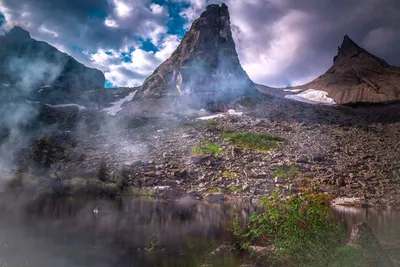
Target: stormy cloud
pixel 279 42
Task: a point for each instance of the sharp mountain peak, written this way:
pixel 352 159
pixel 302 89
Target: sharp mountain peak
pixel 205 62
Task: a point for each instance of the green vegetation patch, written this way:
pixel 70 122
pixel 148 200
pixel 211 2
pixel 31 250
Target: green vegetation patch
pixel 205 148
pixel 297 229
pixel 286 172
pixel 92 186
pixel 261 142
pixel 211 124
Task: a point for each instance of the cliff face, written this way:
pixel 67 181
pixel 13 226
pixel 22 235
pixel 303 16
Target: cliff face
pixel 358 76
pixel 29 65
pixel 205 62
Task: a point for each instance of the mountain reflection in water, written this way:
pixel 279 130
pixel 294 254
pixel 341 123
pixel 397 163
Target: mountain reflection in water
pixel 74 232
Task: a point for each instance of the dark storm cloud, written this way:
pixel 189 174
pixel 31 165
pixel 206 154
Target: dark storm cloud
pixel 279 42
pixel 81 23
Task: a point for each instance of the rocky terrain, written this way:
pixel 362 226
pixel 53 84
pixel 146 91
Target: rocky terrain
pixel 350 152
pixel 358 76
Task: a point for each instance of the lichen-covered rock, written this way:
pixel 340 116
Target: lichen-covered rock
pixel 358 76
pixel 204 65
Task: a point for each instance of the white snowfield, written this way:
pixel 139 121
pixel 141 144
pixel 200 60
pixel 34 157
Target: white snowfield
pixel 312 96
pixel 230 112
pixel 66 105
pixel 293 90
pixel 117 106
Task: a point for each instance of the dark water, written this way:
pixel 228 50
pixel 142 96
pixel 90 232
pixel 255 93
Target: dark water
pixel 69 232
pixel 385 225
pixel 74 232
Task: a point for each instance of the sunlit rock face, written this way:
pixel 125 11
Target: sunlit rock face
pixel 358 76
pixel 37 68
pixel 205 63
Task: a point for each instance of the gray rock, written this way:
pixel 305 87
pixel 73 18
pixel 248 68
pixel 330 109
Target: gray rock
pixel 302 159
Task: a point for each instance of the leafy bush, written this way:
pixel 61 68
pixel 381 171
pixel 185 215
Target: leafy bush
pixel 298 230
pixel 261 142
pixel 206 148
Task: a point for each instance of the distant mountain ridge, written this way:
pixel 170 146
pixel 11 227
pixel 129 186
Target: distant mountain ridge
pixel 358 76
pixel 40 70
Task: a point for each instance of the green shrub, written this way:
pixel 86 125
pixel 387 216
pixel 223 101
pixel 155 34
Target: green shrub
pixel 206 148
pixel 297 228
pixel 261 142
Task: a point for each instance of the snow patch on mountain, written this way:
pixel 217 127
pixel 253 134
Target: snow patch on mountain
pixel 66 105
pixel 312 96
pixel 230 112
pixel 117 106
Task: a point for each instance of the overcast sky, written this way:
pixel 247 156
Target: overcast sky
pixel 279 42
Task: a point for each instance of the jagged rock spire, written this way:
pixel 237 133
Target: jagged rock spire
pixel 351 50
pixel 205 62
pixel 358 76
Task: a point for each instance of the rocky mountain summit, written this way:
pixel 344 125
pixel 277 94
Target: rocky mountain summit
pixel 39 70
pixel 358 76
pixel 205 63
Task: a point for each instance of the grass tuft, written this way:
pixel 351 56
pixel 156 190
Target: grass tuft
pixel 261 142
pixel 286 172
pixel 205 148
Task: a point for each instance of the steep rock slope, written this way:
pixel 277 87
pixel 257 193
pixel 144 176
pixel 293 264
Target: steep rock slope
pixel 205 62
pixel 358 76
pixel 38 69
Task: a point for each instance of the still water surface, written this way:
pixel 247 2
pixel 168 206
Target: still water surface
pixel 75 232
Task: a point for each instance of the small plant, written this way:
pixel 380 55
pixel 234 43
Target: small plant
pixel 151 245
pixel 286 172
pixel 211 124
pixel 298 229
pixel 213 190
pixel 235 189
pixel 261 142
pixel 206 148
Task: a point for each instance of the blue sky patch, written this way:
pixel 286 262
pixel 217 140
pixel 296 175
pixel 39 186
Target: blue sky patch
pixel 109 84
pixel 126 56
pixel 97 14
pixel 148 46
pixel 176 22
pixel 2 19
